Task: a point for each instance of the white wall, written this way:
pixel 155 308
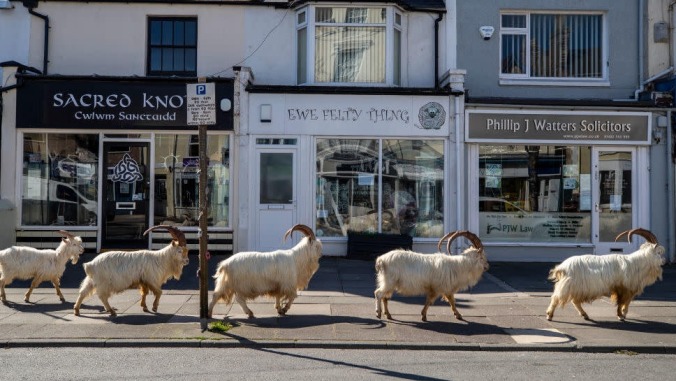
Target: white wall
pixel 14 31
pixel 110 39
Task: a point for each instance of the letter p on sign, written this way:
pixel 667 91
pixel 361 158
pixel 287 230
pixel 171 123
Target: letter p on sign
pixel 201 89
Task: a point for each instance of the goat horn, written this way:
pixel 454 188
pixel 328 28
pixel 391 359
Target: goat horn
pixel 176 234
pixel 650 237
pixel 621 234
pixel 476 242
pixel 66 234
pixel 303 229
pixel 442 240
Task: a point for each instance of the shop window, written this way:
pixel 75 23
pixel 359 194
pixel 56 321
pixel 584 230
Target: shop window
pixel 177 180
pixel 348 45
pixel 534 193
pixel 172 46
pixel 371 185
pixel 552 46
pixel 59 180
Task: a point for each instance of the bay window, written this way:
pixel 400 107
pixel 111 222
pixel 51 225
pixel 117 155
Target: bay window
pixel 349 45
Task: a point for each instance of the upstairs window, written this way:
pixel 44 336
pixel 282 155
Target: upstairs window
pixel 172 46
pixel 552 46
pixel 349 45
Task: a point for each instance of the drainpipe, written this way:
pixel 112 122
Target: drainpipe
pixel 670 188
pixel 31 4
pixel 436 49
pixel 641 55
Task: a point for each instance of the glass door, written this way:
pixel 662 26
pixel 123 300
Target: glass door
pixel 276 196
pixel 126 191
pixel 614 202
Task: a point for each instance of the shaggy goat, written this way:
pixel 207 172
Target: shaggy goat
pixel 115 271
pixel 278 274
pixel 585 278
pixel 410 273
pixel 23 262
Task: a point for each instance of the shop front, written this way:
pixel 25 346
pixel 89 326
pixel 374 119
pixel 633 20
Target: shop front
pixel 342 163
pixel 106 158
pixel 547 184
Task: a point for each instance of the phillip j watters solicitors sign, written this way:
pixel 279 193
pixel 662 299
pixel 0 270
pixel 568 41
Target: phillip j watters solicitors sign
pixel 557 127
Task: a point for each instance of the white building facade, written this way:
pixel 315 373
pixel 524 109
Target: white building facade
pixel 329 115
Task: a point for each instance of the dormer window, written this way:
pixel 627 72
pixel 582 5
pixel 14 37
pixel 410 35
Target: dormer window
pixel 349 45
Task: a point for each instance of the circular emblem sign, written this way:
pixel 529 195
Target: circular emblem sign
pixel 432 116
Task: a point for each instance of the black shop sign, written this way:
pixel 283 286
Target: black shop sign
pixel 111 104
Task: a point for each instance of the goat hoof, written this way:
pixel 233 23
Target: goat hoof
pixel 378 316
pixel 76 312
pixel 458 316
pixel 549 317
pixel 145 309
pixel 26 300
pixel 63 300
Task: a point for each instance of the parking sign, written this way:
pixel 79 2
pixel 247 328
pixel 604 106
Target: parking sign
pixel 201 104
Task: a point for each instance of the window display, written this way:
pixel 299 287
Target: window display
pixel 177 180
pixel 59 179
pixel 373 185
pixel 535 193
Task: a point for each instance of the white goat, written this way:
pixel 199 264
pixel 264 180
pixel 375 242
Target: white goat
pixel 278 274
pixel 23 262
pixel 115 271
pixel 585 278
pixel 410 273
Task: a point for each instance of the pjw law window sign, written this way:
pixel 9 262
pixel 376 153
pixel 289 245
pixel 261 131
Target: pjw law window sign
pixel 573 127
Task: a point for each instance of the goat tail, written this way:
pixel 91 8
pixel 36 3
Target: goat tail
pixel 223 290
pixel 380 265
pixel 221 270
pixel 556 274
pixel 87 287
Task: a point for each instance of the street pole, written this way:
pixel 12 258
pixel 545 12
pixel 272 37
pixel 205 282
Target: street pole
pixel 203 236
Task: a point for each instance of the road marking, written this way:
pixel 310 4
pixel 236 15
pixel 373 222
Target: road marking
pixel 537 336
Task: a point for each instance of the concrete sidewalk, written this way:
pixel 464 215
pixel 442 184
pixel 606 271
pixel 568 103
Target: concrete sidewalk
pixel 505 311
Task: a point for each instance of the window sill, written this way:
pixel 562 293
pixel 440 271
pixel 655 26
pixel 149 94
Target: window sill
pixel 549 82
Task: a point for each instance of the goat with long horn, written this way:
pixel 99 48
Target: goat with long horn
pixel 622 277
pixel 432 275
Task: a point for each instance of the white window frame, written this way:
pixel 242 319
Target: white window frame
pixel 390 25
pixel 525 79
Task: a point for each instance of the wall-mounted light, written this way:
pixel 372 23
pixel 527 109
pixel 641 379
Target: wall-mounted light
pixel 226 105
pixel 266 113
pixel 657 136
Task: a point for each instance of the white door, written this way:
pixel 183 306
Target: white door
pixel 614 198
pixel 275 196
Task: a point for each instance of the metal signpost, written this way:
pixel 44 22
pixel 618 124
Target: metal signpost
pixel 201 108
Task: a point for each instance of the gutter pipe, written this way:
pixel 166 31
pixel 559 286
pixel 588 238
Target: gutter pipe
pixel 45 59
